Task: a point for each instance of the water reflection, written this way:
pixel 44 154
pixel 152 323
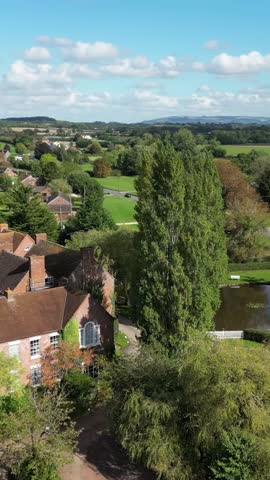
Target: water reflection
pixel 244 307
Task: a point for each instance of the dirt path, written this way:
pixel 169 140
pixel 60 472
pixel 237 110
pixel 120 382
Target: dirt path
pixel 99 457
pixel 132 333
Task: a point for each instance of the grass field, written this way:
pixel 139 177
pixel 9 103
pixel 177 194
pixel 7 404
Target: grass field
pixel 122 184
pixel 235 149
pixel 249 276
pixel 245 343
pixel 87 167
pixel 12 148
pixel 121 209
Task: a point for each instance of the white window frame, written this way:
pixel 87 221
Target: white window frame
pixel 97 339
pixel 11 344
pixel 37 355
pixel 33 367
pixel 54 334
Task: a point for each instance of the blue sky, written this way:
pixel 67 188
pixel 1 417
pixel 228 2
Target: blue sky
pixel 130 60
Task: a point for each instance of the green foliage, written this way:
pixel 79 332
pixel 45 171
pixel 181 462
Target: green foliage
pixel 261 336
pixel 70 332
pixel 80 389
pixel 201 413
pixel 236 458
pixel 10 375
pixel 102 168
pixel 91 214
pixel 59 185
pixel 38 437
pixel 181 248
pixel 20 148
pixel 79 182
pixel 94 147
pixel 29 214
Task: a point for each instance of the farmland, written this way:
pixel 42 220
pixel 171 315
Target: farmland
pixel 235 149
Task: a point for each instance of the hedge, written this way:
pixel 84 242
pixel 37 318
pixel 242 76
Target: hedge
pixel 241 267
pixel 261 336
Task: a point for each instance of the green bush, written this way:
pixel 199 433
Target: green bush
pixel 261 336
pixel 241 267
pixel 80 389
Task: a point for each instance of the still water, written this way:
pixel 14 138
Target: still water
pixel 244 307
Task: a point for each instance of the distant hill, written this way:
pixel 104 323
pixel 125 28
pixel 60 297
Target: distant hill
pixel 205 119
pixel 30 119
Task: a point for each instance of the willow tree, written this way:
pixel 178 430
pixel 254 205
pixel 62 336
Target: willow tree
pixel 181 245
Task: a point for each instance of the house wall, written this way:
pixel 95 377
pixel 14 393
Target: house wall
pixel 23 285
pixel 24 246
pixel 89 310
pixel 25 358
pixel 59 201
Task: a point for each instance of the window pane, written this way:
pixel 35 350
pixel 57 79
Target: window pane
pixel 89 334
pixel 54 341
pixel 14 350
pixel 36 375
pixel 34 347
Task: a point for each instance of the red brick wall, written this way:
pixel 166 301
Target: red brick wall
pixel 25 358
pixel 24 246
pixel 37 271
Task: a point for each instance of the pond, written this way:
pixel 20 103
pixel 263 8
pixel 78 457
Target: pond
pixel 247 306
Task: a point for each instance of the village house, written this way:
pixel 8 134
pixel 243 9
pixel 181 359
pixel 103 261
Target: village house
pixel 43 286
pixel 44 191
pixel 32 321
pixel 29 181
pixel 61 206
pixel 8 172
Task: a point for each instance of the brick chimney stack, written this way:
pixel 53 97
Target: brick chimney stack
pixel 37 272
pixel 39 237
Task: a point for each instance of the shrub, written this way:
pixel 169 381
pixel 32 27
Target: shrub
pixel 80 389
pixel 260 336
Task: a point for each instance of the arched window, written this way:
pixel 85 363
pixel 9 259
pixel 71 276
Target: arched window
pixel 90 335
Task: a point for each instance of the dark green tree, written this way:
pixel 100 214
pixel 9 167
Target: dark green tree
pixel 202 240
pixel 163 292
pixel 264 184
pixel 79 181
pixel 29 214
pixel 92 214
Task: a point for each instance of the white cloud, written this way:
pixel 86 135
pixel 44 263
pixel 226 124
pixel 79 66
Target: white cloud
pixel 141 66
pixel 89 52
pixel 212 45
pixel 55 41
pixel 224 64
pixel 37 54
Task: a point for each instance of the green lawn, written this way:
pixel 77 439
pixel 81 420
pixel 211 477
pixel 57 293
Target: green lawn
pixel 12 148
pixel 235 149
pixel 249 276
pixel 122 184
pixel 87 167
pixel 121 209
pixel 245 343
pixel 121 342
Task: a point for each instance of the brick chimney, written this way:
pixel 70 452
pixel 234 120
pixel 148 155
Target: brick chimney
pixel 3 227
pixel 40 236
pixel 9 295
pixel 37 272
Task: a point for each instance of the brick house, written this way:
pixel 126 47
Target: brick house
pixel 61 206
pixel 44 191
pixel 30 322
pixel 28 264
pixel 29 181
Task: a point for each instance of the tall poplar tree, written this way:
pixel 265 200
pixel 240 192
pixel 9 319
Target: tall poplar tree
pixel 181 242
pixel 203 243
pixel 163 288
